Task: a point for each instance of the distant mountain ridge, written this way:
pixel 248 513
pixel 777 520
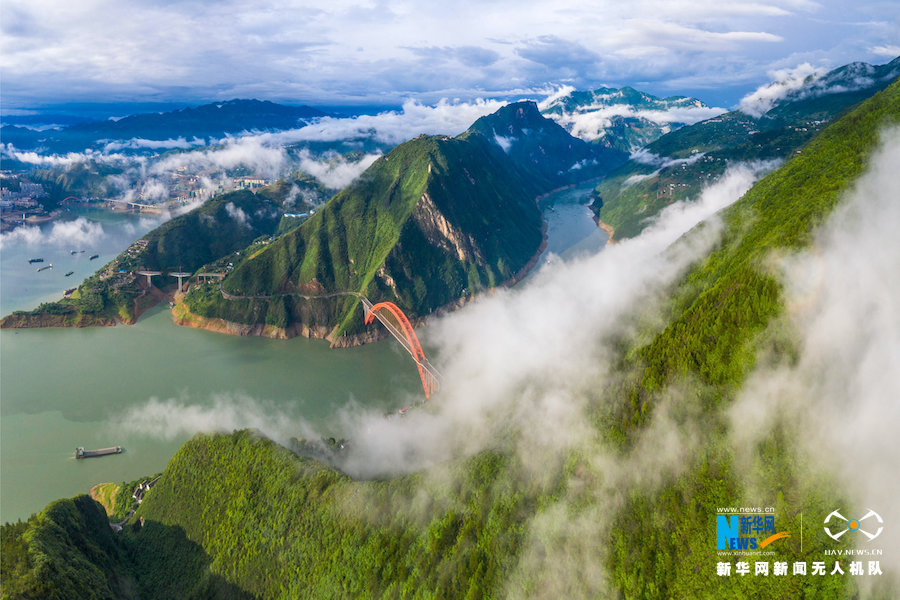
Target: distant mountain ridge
pixel 217 118
pixel 848 79
pixel 213 120
pixel 677 165
pixel 623 119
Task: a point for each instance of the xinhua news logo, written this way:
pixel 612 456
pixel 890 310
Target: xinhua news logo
pixel 746 531
pixel 842 525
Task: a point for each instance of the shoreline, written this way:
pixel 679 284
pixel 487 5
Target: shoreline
pixel 609 229
pixel 184 318
pixel 31 320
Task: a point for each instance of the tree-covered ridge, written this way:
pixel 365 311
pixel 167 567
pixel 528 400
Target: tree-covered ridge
pixel 272 525
pixel 212 232
pixel 721 319
pixel 677 165
pixel 432 222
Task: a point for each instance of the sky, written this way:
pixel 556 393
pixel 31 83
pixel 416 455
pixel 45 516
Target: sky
pixel 386 51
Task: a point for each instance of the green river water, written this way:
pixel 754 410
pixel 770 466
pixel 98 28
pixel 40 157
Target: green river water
pixel 63 388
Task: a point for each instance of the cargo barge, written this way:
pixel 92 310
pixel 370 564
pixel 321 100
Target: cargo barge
pixel 82 453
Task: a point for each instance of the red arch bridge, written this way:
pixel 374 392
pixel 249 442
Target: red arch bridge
pixel 390 315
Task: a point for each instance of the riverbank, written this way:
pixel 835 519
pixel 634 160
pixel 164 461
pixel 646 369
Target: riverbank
pixel 609 229
pixel 182 315
pixel 105 494
pixel 36 319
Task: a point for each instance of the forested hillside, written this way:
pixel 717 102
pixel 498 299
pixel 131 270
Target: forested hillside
pixel 429 224
pixel 226 223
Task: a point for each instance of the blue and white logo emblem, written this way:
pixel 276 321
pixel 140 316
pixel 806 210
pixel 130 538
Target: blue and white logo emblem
pixel 853 525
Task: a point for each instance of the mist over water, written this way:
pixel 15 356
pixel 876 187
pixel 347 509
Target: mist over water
pixel 525 360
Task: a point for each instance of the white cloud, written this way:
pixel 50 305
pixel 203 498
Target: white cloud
pixel 887 50
pixel 563 91
pixel 236 213
pixel 392 127
pixel 335 171
pixel 378 53
pixel 504 142
pixel 62 160
pixel 79 232
pixel 639 178
pixel 839 396
pixel 785 82
pixel 181 417
pixel 141 144
pixel 646 157
pixel 249 152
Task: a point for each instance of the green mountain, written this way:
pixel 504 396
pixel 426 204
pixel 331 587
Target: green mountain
pixel 623 119
pixel 235 514
pixel 224 225
pixel 678 165
pixel 427 225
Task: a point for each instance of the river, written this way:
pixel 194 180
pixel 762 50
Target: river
pixel 149 386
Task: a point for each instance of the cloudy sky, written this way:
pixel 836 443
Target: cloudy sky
pixel 385 51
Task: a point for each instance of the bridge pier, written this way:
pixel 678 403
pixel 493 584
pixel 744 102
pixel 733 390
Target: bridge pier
pixel 180 275
pixel 148 275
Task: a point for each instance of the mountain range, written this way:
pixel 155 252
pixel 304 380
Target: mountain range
pixel 677 165
pixel 214 120
pixel 428 225
pixel 623 119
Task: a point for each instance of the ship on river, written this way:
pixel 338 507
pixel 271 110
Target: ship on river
pixel 80 452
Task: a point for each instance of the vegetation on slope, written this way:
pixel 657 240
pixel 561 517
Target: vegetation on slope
pixel 432 222
pixel 719 315
pixel 115 293
pixel 680 164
